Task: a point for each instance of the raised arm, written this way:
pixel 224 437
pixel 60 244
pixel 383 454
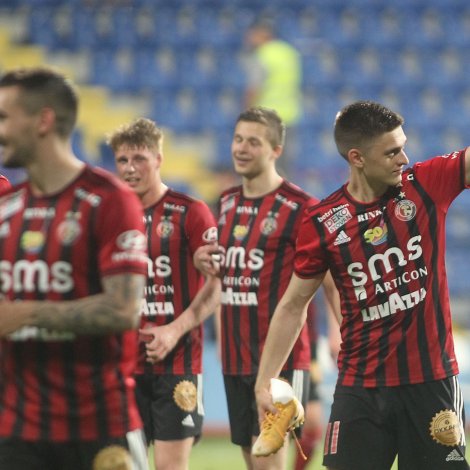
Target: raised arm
pixel 116 309
pixel 467 166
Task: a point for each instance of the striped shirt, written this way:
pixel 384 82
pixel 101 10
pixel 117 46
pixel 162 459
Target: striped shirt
pixel 56 385
pixel 259 239
pixel 177 225
pixel 387 258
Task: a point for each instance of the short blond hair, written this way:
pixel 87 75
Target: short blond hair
pixel 141 132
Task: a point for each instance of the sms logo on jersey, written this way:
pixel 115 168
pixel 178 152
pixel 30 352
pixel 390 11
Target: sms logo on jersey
pixel 131 240
pixel 405 210
pixel 377 235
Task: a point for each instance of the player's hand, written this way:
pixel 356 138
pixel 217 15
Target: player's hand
pixel 264 401
pixel 208 258
pixel 160 341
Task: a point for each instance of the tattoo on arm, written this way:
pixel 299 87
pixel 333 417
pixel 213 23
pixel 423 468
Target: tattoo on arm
pixel 116 309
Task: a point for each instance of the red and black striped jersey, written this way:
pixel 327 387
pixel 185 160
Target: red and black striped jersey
pixel 388 261
pixel 259 239
pixel 57 385
pixel 176 226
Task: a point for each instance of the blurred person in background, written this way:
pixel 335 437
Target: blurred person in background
pixel 274 76
pixel 73 255
pixel 177 300
pixel 258 225
pixel 382 235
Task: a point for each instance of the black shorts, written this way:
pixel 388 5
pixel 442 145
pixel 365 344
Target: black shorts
pixel 24 455
pixel 423 424
pixel 241 403
pixel 313 394
pixel 170 406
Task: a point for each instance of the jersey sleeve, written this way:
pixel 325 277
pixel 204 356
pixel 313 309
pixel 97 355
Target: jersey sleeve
pixel 4 183
pixel 200 227
pixel 442 177
pixel 122 244
pixel 310 257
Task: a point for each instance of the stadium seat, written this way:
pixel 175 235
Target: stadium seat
pixel 115 69
pixel 156 69
pixel 177 110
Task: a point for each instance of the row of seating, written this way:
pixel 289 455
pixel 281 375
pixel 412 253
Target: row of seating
pixel 131 70
pixel 74 27
pixel 256 4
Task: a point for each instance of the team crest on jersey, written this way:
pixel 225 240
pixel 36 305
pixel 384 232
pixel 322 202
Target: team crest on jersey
pixel 31 241
pixel 70 229
pixel 240 231
pixel 165 228
pixel 269 224
pixel 405 210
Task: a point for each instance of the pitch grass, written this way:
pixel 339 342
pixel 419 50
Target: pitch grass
pixel 216 453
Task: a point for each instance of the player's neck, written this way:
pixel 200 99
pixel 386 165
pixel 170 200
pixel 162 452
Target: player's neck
pixel 262 184
pixel 363 191
pixel 154 195
pixel 54 172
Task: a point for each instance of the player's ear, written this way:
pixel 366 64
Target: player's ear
pixel 277 151
pixel 46 120
pixel 355 158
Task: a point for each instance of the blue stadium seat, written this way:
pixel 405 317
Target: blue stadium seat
pixel 177 110
pixel 223 142
pixel 219 28
pixel 219 109
pixel 50 27
pixel 231 70
pixel 198 68
pixel 383 28
pixel 321 67
pixel 154 25
pixel 114 68
pixel 104 26
pixel 156 69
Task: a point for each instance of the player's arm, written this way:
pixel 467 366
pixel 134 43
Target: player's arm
pixel 467 166
pixel 334 317
pixel 284 328
pixel 114 310
pixel 164 338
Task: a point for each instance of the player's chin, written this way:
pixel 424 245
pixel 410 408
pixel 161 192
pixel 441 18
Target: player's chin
pixel 396 179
